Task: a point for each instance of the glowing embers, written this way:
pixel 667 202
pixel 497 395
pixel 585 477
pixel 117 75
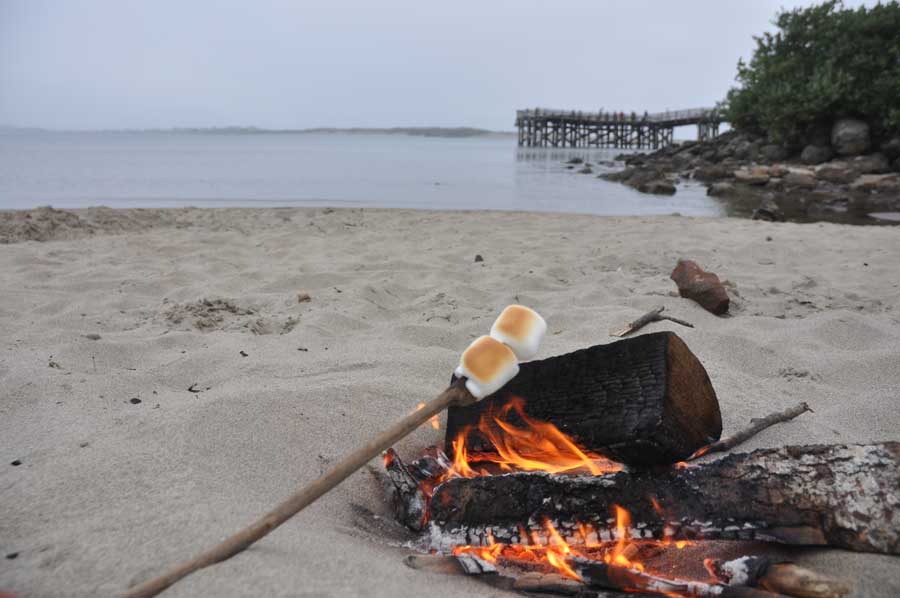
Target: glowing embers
pixel 546 550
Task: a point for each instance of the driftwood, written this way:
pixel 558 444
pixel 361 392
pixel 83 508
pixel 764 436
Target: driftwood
pixel 641 401
pixel 618 577
pixel 783 578
pixel 838 495
pixel 756 426
pixel 654 315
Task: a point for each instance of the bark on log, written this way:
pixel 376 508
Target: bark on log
pixel 641 401
pixel 838 495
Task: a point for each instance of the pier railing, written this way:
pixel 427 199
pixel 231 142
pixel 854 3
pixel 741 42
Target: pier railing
pixel 689 116
pixel 549 127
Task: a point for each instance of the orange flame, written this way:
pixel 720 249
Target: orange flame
pixel 623 531
pixel 668 532
pixel 434 421
pixel 553 554
pixel 536 446
pixel 521 443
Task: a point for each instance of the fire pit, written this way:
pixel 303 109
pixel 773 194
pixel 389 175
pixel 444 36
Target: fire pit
pixel 579 477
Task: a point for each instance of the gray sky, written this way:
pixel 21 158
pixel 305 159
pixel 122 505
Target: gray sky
pixel 279 63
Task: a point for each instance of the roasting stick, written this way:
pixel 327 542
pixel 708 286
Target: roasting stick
pixel 485 366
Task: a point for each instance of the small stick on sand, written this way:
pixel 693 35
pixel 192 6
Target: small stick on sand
pixel 654 315
pixel 756 426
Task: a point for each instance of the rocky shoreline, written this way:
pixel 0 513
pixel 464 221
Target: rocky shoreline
pixel 833 175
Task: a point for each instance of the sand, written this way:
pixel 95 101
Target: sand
pixel 162 388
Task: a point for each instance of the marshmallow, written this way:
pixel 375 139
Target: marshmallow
pixel 487 364
pixel 521 328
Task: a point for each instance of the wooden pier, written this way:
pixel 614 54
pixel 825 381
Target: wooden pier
pixel 542 127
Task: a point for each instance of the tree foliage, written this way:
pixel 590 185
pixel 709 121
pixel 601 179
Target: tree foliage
pixel 823 62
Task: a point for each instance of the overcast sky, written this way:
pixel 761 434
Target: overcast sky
pixel 167 63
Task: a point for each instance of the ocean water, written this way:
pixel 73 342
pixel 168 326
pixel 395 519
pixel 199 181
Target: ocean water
pixel 68 170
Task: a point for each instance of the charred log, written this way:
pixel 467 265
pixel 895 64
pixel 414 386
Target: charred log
pixel 840 495
pixel 414 483
pixel 641 401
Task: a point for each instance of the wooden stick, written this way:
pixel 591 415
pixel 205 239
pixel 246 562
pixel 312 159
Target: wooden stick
pixel 654 315
pixel 454 395
pixel 547 583
pixel 785 578
pixel 794 580
pixel 756 426
pixel 618 577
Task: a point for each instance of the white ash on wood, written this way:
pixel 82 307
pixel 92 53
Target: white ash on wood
pixel 837 495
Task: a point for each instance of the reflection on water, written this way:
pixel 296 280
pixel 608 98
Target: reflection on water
pixel 180 169
pixel 177 169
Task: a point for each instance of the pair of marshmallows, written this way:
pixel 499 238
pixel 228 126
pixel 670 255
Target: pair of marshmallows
pixel 492 361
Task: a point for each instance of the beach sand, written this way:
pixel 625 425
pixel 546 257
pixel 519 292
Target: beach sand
pixel 149 423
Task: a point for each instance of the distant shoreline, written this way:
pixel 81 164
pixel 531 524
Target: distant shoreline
pixel 449 132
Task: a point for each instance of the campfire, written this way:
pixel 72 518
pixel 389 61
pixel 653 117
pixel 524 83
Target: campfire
pixel 579 475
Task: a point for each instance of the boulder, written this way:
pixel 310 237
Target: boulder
pixel 712 172
pixel 850 137
pixel 775 183
pixel 876 182
pixel 798 178
pixel 769 211
pixel 586 170
pixel 818 133
pixel 757 175
pixel 742 150
pixel 774 153
pixel 656 187
pixel 620 176
pixel 815 154
pixel 721 189
pixel 575 161
pixel 682 160
pixel 701 286
pixel 778 170
pixel 871 164
pixel 836 171
pixel 891 148
pixel 711 155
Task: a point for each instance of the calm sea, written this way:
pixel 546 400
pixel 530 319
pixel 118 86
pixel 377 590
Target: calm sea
pixel 217 169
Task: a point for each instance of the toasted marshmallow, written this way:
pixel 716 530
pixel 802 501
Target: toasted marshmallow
pixel 521 328
pixel 487 365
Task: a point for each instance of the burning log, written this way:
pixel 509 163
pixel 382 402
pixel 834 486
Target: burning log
pixel 838 495
pixel 414 484
pixel 641 401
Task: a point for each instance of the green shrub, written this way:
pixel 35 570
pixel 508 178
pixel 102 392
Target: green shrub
pixel 824 62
